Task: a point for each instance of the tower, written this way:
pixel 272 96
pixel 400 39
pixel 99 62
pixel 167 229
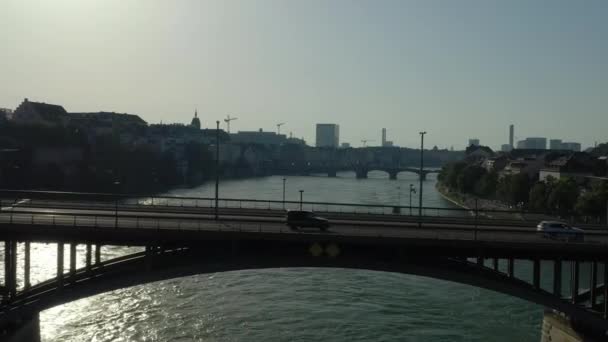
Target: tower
pixel 196 122
pixel 384 137
pixel 511 135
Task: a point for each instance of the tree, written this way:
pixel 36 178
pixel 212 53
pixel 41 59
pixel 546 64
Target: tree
pixel 468 178
pixel 486 186
pixel 594 201
pixel 538 197
pixel 514 189
pixel 563 196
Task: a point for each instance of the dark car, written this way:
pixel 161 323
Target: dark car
pixel 560 230
pixel 300 219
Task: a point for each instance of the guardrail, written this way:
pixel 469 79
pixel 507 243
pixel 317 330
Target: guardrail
pixel 205 222
pixel 57 199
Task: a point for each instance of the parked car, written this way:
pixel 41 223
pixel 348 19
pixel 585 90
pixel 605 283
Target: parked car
pixel 560 230
pixel 300 219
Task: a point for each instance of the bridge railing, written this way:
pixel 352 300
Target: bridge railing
pixel 107 201
pixel 155 222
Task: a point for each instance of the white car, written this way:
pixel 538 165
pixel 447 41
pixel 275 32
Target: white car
pixel 560 230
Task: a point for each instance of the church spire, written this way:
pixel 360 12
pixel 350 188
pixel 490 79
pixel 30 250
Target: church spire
pixel 196 122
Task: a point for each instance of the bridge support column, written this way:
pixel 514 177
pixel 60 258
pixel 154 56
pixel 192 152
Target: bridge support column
pixel 27 329
pixel 495 264
pixel 332 173
pixel 392 175
pixel 510 267
pixel 557 278
pixel 97 254
pixel 26 266
pixel 10 269
pixel 72 259
pixel 593 284
pixel 574 281
pixel 361 174
pixel 88 257
pixel 60 264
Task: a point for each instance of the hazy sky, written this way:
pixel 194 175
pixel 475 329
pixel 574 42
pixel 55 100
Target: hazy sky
pixel 457 69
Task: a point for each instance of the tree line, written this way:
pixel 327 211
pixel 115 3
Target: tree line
pixel 556 196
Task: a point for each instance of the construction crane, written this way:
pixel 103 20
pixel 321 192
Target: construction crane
pixel 227 121
pixel 279 127
pixel 365 141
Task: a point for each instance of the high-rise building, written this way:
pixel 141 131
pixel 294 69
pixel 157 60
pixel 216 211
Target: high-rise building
pixel 473 142
pixel 328 135
pixel 384 137
pixel 555 144
pixel 511 135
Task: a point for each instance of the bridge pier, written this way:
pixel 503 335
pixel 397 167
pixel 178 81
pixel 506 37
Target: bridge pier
pixel 97 254
pixel 557 278
pixel 72 259
pixel 332 173
pixel 88 257
pixel 10 270
pixel 361 174
pixel 26 266
pixel 24 329
pixel 392 175
pixel 60 265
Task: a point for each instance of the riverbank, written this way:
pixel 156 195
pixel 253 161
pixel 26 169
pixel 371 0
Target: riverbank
pixel 472 202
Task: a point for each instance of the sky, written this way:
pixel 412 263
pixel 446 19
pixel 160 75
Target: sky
pixel 455 69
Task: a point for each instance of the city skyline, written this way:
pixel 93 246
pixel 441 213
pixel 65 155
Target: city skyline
pixel 455 70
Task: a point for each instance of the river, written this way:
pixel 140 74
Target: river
pixel 295 304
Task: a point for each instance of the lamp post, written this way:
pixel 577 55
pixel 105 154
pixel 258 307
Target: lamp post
pixel 284 180
pixel 217 167
pixel 421 176
pixel 412 190
pixel 301 194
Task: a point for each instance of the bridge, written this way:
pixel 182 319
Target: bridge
pixel 362 170
pixel 181 236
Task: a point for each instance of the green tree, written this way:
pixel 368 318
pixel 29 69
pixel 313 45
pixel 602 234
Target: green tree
pixel 468 178
pixel 563 196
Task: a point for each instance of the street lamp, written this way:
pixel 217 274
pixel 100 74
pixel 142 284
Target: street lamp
pixel 301 194
pixel 421 176
pixel 412 190
pixel 217 166
pixel 284 180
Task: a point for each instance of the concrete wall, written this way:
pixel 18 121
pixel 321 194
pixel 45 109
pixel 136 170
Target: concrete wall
pixel 558 329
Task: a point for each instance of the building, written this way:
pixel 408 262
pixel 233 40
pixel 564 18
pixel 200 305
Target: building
pixel 555 144
pixel 40 113
pixel 345 145
pixel 533 143
pixel 571 146
pixel 511 136
pixel 506 147
pixel 6 114
pixel 328 135
pixel 258 137
pixel 104 123
pixel 578 166
pixel 473 142
pixel 196 122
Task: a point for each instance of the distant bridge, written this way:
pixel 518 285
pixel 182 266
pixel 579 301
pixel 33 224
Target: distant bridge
pixel 180 237
pixel 363 170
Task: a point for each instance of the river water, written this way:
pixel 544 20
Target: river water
pixel 295 304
